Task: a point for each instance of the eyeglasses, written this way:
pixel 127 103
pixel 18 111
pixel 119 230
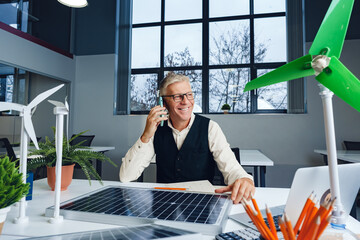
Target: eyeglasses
pixel 180 97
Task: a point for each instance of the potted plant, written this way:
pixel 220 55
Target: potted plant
pixel 226 107
pixel 72 154
pixel 12 188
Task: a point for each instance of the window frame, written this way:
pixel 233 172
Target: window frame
pixel 206 67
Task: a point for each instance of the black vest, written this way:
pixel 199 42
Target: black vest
pixel 192 162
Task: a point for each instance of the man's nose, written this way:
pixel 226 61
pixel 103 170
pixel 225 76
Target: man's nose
pixel 184 99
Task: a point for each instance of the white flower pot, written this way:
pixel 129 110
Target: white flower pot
pixel 3 213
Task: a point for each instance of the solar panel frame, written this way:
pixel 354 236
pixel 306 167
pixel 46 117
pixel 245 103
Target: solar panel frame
pixel 136 203
pixel 142 232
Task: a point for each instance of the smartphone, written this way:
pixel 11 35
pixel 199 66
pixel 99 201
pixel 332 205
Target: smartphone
pixel 161 105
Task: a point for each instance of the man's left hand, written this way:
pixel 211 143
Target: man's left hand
pixel 242 187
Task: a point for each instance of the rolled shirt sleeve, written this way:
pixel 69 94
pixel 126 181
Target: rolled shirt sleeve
pixel 224 156
pixel 136 160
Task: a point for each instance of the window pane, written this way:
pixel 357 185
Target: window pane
pixel 182 9
pixel 195 77
pixel 266 6
pixel 222 8
pixel 145 11
pixel 229 42
pixel 183 45
pixel 145 54
pixel 143 92
pixel 24 20
pixel 271 97
pixel 270 39
pixel 227 86
pixel 8 13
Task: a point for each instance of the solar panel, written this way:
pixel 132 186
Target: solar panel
pixel 205 213
pixel 145 232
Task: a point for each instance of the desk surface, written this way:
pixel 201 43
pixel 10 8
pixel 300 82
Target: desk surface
pixel 345 155
pixel 42 198
pixel 254 158
pixel 92 148
pixel 249 158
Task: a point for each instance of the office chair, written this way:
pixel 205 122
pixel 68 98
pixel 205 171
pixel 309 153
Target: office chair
pixel 85 139
pixel 5 144
pixel 351 145
pixel 218 177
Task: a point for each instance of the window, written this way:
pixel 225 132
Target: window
pixel 12 85
pixel 220 44
pixel 15 14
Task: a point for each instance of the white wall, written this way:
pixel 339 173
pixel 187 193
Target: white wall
pixel 288 139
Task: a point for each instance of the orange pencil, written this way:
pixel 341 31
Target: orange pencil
pixel 263 226
pixel 283 228
pixel 305 228
pixel 168 188
pixel 329 210
pixel 271 222
pixel 303 213
pixel 309 217
pixel 316 228
pixel 260 217
pixel 255 205
pixel 309 232
pixel 249 211
pixel 322 227
pixel 289 228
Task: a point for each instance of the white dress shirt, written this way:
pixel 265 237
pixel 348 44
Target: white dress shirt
pixel 140 154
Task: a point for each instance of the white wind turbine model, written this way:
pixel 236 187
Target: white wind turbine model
pixel 27 131
pixel 60 110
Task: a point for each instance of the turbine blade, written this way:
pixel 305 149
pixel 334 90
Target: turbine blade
pixel 298 68
pixel 66 103
pixel 333 29
pixel 29 128
pixel 33 110
pixel 5 106
pixel 42 96
pixel 56 103
pixel 337 78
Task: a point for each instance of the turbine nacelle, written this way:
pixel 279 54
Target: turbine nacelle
pixel 319 63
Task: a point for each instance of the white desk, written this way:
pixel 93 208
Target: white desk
pixel 251 158
pixel 344 155
pixel 42 198
pixel 101 149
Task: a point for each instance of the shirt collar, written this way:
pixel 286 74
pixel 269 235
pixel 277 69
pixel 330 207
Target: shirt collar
pixel 192 118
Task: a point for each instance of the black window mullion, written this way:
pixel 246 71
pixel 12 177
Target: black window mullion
pixel 253 72
pixel 162 42
pixel 205 57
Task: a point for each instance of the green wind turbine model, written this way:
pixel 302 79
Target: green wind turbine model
pixel 322 61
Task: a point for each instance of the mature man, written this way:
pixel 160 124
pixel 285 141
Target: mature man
pixel 187 146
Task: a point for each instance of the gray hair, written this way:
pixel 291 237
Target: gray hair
pixel 171 78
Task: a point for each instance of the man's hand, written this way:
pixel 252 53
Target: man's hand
pixel 242 187
pixel 152 122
